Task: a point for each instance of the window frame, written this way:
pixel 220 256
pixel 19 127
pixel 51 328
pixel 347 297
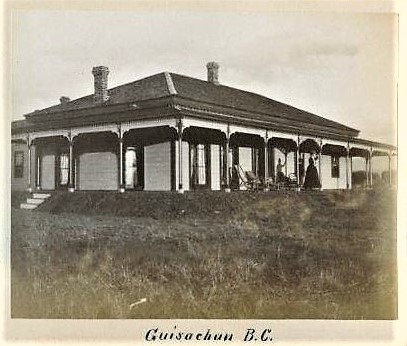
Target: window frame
pixel 18 168
pixel 63 169
pixel 200 163
pixel 335 166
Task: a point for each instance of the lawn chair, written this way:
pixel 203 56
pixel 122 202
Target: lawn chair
pixel 289 182
pixel 248 179
pixel 292 181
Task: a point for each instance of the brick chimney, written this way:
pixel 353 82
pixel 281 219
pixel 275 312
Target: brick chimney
pixel 100 74
pixel 64 100
pixel 213 68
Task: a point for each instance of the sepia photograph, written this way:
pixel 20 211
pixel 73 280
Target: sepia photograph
pixel 203 164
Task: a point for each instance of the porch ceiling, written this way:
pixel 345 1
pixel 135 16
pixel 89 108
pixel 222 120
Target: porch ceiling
pixel 149 135
pixel 309 146
pixel 285 145
pixel 334 150
pixel 202 135
pixel 358 152
pixel 246 140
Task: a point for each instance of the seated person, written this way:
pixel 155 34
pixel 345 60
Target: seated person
pixel 280 175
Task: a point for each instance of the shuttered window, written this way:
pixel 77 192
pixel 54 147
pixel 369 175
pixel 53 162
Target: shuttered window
pixel 18 164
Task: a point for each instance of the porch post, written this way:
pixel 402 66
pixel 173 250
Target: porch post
pixel 367 170
pixel 351 170
pixel 266 162
pixel 390 169
pixel 347 167
pixel 319 163
pixel 29 189
pixel 371 168
pixel 297 168
pixel 226 158
pixel 180 129
pixel 38 171
pixel 273 163
pixel 71 187
pixel 121 183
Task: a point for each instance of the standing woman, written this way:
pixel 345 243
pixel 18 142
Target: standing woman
pixel 311 177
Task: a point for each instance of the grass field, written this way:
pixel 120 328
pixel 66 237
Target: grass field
pixel 206 255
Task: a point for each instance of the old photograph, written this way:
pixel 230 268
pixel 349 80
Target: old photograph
pixel 178 164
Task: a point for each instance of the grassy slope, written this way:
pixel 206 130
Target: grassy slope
pixel 239 255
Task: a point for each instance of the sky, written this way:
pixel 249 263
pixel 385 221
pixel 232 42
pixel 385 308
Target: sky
pixel 339 66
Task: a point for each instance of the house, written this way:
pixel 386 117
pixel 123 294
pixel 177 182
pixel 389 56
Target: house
pixel 170 132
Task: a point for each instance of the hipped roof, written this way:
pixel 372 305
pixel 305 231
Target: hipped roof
pixel 196 92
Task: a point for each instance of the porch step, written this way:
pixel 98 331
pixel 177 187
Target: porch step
pixel 41 195
pixel 34 201
pixel 28 206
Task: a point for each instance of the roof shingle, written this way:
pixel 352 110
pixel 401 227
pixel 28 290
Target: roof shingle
pixel 157 86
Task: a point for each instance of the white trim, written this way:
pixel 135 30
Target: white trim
pixel 276 134
pixel 209 124
pixel 22 136
pixel 50 133
pixel 333 142
pixel 316 139
pixel 358 146
pixel 249 130
pixel 385 151
pixel 95 128
pixel 138 124
pixel 170 84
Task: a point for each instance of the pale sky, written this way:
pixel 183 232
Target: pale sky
pixel 340 66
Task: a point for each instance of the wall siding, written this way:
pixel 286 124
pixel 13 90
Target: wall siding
pixel 98 171
pixel 215 167
pixel 342 173
pixel 47 171
pixel 327 181
pixel 157 167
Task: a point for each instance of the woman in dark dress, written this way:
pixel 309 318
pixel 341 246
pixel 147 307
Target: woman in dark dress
pixel 311 176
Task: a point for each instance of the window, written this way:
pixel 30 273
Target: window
pixel 18 164
pixel 63 169
pixel 335 166
pixel 199 164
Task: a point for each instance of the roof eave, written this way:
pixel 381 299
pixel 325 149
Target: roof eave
pixel 230 113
